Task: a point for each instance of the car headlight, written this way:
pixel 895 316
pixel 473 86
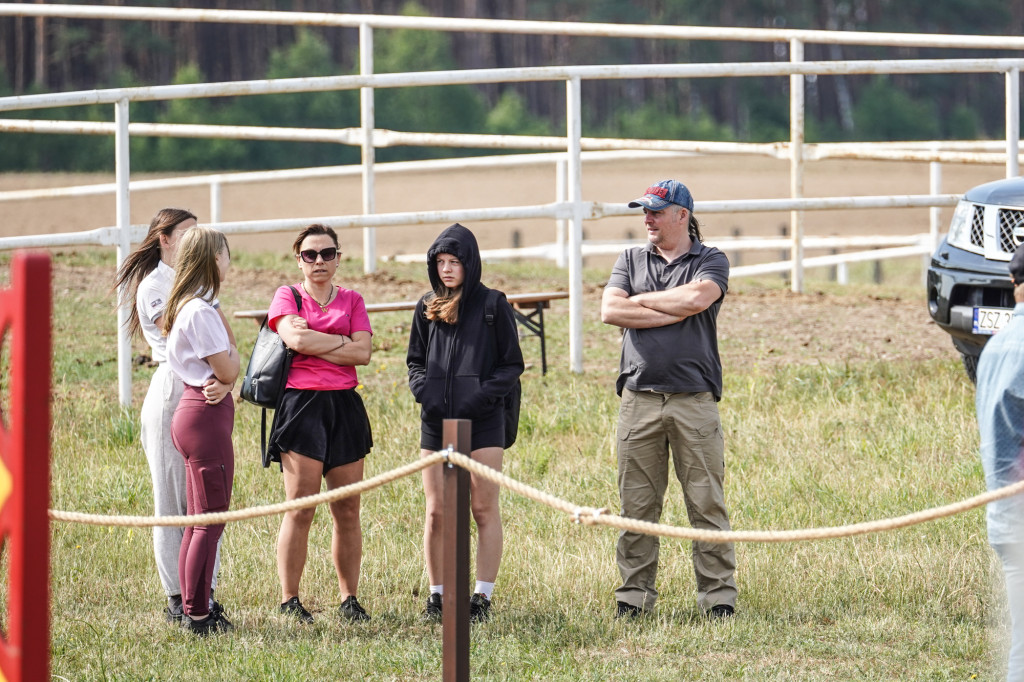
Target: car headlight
pixel 960 226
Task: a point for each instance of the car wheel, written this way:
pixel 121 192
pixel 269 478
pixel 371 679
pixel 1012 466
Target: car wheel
pixel 971 365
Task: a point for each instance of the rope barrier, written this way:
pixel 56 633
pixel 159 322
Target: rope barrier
pixel 589 516
pixel 215 518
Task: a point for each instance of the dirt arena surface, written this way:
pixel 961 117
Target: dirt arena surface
pixel 778 328
pixel 766 327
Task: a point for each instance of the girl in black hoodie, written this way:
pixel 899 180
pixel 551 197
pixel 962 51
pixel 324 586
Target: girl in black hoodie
pixel 461 367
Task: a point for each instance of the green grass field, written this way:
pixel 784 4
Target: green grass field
pixel 806 445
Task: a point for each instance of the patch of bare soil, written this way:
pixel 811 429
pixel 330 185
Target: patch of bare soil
pixel 775 328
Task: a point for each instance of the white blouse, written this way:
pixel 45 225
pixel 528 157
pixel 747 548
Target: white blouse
pixel 150 301
pixel 198 333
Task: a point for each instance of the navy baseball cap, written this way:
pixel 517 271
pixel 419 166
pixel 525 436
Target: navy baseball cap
pixel 1017 265
pixel 663 193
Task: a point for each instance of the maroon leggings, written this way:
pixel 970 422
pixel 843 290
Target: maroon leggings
pixel 202 434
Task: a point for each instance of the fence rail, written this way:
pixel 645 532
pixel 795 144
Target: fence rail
pixel 591 210
pixel 564 28
pixel 508 75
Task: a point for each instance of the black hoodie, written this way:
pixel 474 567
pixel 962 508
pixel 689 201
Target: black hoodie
pixel 464 370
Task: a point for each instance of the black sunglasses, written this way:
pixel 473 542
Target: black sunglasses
pixel 328 254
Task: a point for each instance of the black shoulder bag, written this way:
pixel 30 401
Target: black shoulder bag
pixel 267 374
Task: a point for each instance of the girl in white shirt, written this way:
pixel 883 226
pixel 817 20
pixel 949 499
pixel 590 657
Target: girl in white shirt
pixel 201 352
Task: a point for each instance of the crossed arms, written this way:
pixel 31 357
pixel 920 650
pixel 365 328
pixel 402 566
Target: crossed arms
pixel 657 308
pixel 334 348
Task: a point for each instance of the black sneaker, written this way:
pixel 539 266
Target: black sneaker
pixel 212 624
pixel 293 607
pixel 479 608
pixel 174 611
pixel 432 613
pixel 721 612
pixel 624 610
pixel 352 610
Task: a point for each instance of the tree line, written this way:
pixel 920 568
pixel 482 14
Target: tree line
pixel 56 54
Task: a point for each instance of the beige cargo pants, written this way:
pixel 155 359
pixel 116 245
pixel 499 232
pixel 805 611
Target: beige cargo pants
pixel 651 425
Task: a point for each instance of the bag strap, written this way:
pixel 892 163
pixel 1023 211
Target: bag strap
pixel 263 417
pixel 263 439
pixel 491 306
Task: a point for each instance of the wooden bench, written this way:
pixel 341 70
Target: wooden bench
pixel 528 309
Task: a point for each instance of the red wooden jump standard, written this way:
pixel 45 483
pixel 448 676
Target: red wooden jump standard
pixel 25 314
pixel 455 614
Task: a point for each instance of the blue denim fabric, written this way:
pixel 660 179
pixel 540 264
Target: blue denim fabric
pixel 1000 408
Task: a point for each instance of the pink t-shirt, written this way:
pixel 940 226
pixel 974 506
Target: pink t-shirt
pixel 345 314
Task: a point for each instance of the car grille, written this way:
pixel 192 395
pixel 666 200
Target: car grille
pixel 1011 228
pixel 978 227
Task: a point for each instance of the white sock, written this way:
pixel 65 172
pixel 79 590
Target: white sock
pixel 437 589
pixel 484 588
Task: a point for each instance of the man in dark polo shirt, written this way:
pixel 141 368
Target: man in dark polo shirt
pixel 666 295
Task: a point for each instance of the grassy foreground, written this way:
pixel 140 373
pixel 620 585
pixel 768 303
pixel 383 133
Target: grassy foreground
pixel 806 446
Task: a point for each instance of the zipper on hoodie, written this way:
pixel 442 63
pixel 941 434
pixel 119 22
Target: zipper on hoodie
pixel 448 374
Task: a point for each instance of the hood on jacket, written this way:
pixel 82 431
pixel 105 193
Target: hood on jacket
pixel 459 242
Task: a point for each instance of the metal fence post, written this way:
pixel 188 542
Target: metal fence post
pixel 215 200
pixel 796 161
pixel 783 254
pixel 561 195
pixel 843 274
pixel 934 216
pixel 574 126
pixel 1013 122
pixel 367 114
pixel 457 434
pixel 124 247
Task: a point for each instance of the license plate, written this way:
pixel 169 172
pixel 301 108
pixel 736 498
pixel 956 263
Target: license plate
pixel 990 320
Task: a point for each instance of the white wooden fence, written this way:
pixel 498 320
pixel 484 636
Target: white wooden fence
pixel 567 209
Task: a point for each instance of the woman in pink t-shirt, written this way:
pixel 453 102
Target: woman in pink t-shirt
pixel 321 429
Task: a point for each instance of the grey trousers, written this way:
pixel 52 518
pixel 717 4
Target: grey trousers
pixel 167 469
pixel 687 425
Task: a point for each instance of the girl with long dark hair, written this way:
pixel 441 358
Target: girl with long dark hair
pixel 144 281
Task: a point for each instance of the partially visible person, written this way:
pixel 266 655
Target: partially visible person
pixel 144 281
pixel 321 429
pixel 202 354
pixel 461 367
pixel 666 296
pixel 1000 406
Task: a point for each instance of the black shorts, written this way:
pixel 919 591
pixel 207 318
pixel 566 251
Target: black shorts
pixel 488 432
pixel 328 426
